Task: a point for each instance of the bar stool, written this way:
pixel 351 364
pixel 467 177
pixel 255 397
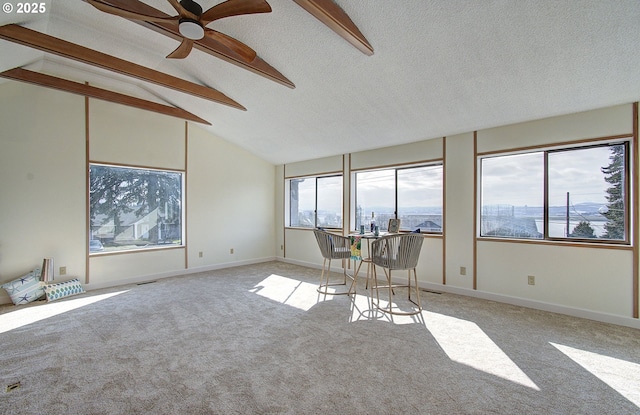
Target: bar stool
pixel 333 247
pixel 397 252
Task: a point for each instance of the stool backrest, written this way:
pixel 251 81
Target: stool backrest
pixel 397 251
pixel 332 246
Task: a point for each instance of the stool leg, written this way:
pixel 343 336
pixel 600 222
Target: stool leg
pixel 324 275
pixel 354 279
pixel 344 271
pixel 324 264
pixel 374 284
pixel 415 279
pixel 390 292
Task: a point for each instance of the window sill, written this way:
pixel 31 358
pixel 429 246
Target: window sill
pixel 301 228
pixel 554 242
pixel 132 251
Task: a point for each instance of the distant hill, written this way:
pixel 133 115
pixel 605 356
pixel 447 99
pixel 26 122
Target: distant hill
pixel 586 209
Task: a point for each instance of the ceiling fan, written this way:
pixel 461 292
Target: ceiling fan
pixel 192 22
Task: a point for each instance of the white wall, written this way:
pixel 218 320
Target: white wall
pixel 598 280
pixel 230 193
pixel 459 201
pixel 230 202
pixel 42 171
pixel 578 280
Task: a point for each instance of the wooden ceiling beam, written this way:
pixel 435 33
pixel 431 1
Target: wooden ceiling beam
pixel 333 16
pixel 31 38
pixel 36 78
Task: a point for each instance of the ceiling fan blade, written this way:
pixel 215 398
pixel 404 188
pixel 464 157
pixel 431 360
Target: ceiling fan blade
pixel 127 14
pixel 182 51
pixel 234 8
pixel 245 52
pixel 182 11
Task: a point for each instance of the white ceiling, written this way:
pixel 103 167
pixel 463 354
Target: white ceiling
pixel 440 67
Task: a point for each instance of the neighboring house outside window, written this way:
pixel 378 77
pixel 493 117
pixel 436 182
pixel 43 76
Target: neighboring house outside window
pixel 134 208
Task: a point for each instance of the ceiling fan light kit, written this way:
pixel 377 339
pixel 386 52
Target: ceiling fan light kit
pixel 191 29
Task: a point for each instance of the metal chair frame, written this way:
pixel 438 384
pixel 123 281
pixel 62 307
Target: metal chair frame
pixel 397 252
pixel 333 246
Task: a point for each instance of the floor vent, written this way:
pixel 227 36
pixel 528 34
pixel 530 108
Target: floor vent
pixel 13 386
pixel 148 282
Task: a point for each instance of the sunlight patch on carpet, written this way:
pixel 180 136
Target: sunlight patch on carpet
pixel 37 312
pixel 621 375
pixel 289 291
pixel 464 342
pixel 362 310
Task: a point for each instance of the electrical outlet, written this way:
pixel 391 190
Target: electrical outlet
pixel 231 251
pixel 463 270
pixel 63 270
pixel 200 254
pixel 531 279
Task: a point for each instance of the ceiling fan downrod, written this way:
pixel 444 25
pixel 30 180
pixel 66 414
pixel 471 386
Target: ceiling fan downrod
pixel 190 28
pixel 192 7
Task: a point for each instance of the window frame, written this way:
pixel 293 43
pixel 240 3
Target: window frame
pixel 626 141
pixel 182 214
pixel 396 168
pixel 316 177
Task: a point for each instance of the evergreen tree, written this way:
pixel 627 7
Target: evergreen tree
pixel 614 228
pixel 583 230
pixel 115 192
pixel 107 196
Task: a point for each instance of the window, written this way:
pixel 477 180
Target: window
pixel 513 195
pixel 411 194
pixel 577 193
pixel 134 208
pixel 315 202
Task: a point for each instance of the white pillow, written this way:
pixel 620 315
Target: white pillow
pixel 25 289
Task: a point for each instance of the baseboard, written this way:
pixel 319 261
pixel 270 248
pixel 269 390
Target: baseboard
pixel 300 263
pixel 535 304
pixel 5 299
pixel 501 298
pixel 177 273
pixel 224 265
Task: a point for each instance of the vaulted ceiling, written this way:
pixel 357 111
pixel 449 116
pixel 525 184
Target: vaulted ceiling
pixel 438 68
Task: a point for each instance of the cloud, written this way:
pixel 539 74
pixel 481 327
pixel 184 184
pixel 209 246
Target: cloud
pixel 519 179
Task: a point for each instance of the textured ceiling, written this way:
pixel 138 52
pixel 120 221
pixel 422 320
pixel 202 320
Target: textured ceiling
pixel 440 67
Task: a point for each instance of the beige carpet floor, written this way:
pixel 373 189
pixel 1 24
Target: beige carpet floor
pixel 259 339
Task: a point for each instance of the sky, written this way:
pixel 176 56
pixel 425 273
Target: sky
pixel 421 186
pixel 518 179
pixel 507 179
pixel 417 186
